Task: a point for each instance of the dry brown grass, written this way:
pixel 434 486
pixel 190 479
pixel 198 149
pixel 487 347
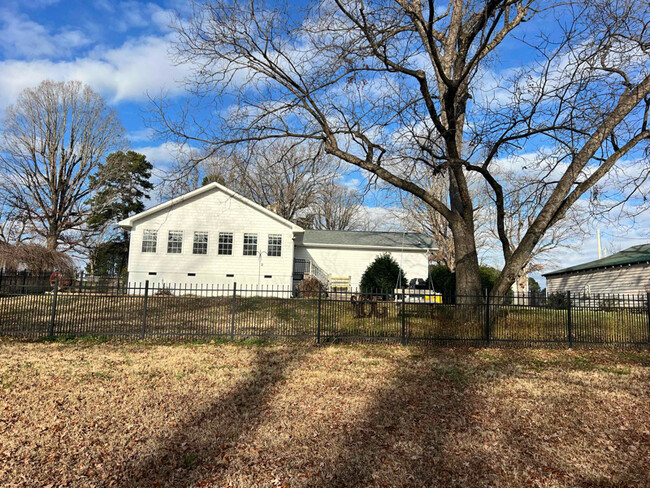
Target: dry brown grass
pixel 123 414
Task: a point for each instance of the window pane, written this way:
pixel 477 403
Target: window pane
pixel 275 245
pixel 175 242
pixel 149 239
pixel 250 244
pixel 200 243
pixel 225 243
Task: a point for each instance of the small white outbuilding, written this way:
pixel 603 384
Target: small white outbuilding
pixel 626 273
pixel 214 236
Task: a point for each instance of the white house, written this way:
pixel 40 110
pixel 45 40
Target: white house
pixel 214 236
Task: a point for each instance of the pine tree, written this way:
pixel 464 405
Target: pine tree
pixel 120 187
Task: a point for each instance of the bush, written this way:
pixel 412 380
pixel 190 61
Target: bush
pixel 557 300
pixel 383 275
pixel 308 288
pixel 488 276
pixel 442 280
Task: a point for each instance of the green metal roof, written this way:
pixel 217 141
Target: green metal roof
pixel 631 255
pixel 363 238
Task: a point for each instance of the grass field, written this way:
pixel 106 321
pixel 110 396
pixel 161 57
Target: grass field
pixel 129 414
pixel 265 317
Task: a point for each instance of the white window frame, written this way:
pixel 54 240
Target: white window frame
pixel 171 244
pixel 149 237
pixel 274 248
pixel 203 244
pixel 250 245
pixel 222 246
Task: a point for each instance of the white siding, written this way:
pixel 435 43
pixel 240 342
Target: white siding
pixel 353 262
pixel 211 212
pixel 633 280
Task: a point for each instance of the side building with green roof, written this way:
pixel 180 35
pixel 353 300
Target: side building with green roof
pixel 626 272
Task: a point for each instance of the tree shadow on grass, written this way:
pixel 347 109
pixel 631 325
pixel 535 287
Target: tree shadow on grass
pixel 405 437
pixel 208 435
pixel 438 424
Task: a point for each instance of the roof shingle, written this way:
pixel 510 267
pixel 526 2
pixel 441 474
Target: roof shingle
pixel 364 238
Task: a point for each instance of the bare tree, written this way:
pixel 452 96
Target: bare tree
pixel 282 177
pixel 12 224
pixel 400 87
pixel 420 217
pixel 53 138
pixel 520 210
pixel 338 207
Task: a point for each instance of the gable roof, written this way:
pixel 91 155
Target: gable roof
pixel 204 190
pixel 399 240
pixel 631 255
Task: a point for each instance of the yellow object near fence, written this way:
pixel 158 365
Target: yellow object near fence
pixel 433 298
pixel 340 283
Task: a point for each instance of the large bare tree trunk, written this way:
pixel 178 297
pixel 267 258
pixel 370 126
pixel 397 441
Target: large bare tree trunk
pixel 468 283
pixel 52 241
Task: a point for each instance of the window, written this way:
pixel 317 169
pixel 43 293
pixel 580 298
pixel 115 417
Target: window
pixel 250 244
pixel 175 242
pixel 200 243
pixel 149 239
pixel 275 245
pixel 225 243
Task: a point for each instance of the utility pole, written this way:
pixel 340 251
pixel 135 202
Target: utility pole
pixel 600 252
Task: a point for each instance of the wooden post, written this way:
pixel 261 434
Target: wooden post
pixel 403 316
pixel 53 316
pixel 568 319
pixel 144 309
pixel 320 301
pixel 81 282
pixel 232 319
pixel 25 280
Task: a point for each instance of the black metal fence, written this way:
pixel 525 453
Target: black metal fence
pixel 206 312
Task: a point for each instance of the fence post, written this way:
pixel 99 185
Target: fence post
pixel 24 281
pixel 81 282
pixel 647 302
pixel 568 319
pixel 403 316
pixel 487 317
pixel 320 301
pixel 232 318
pixel 144 310
pixel 1 273
pixel 53 317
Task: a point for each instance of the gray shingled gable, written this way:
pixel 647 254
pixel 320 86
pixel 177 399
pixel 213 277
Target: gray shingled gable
pixel 631 255
pixel 363 238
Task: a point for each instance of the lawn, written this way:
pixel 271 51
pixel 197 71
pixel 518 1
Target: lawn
pixel 129 414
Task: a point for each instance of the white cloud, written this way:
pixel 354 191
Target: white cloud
pixel 140 135
pixel 136 14
pixel 21 37
pixel 163 155
pixel 124 73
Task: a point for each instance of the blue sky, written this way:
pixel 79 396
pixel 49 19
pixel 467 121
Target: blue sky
pixel 120 48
